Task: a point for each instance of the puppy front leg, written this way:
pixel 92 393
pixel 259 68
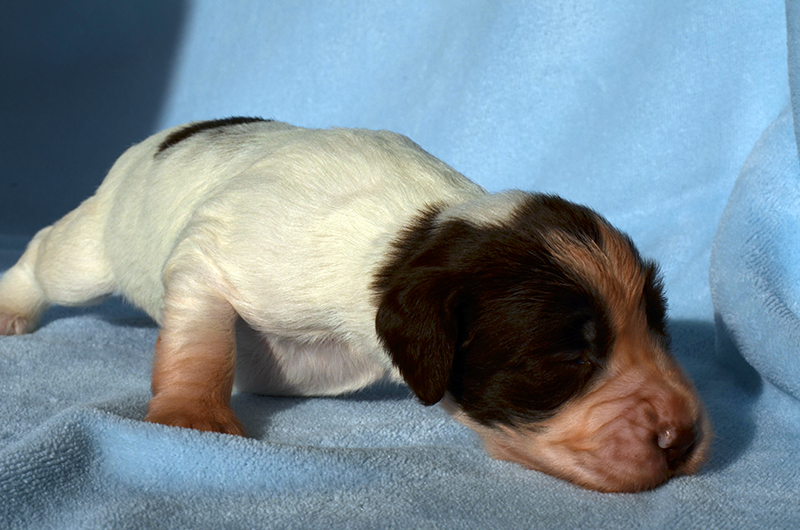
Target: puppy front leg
pixel 195 360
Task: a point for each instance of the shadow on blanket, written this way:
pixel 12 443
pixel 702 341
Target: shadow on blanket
pixel 729 386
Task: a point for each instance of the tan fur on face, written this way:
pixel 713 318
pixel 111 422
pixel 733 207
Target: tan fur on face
pixel 612 269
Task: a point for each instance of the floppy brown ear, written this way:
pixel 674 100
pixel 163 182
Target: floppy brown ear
pixel 417 323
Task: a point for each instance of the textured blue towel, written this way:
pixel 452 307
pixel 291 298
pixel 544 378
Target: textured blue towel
pixel 755 273
pixel 755 268
pixel 646 111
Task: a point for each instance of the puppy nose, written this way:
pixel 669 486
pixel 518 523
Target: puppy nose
pixel 678 443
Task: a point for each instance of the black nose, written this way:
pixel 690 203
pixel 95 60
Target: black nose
pixel 678 444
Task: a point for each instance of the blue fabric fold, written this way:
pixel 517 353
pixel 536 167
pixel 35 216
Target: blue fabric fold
pixel 755 263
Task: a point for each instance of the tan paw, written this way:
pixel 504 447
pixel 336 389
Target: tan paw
pixel 193 415
pixel 11 324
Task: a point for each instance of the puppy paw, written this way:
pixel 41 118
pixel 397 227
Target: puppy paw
pixel 192 415
pixel 12 324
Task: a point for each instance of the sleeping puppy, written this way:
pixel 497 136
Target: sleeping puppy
pixel 289 261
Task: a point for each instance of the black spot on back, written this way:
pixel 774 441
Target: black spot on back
pixel 202 126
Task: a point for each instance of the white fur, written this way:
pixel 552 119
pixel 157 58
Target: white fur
pixel 486 211
pixel 287 225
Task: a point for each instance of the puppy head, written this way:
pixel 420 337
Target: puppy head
pixel 543 330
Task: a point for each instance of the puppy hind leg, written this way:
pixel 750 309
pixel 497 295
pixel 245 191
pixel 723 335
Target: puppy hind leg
pixel 63 264
pixel 195 359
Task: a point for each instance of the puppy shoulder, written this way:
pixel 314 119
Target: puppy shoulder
pixel 489 210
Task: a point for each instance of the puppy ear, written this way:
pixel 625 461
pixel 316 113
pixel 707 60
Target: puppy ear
pixel 420 292
pixel 417 323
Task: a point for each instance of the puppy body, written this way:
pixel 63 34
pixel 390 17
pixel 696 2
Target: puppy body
pixel 315 262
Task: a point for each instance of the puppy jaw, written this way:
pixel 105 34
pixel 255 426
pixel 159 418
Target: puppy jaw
pixel 637 426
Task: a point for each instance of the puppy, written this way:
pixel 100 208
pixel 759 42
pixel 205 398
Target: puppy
pixel 289 261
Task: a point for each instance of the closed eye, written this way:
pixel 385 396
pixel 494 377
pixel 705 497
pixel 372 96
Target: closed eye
pixel 578 357
pixel 579 342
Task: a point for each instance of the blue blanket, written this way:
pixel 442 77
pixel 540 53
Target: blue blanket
pixel 676 120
